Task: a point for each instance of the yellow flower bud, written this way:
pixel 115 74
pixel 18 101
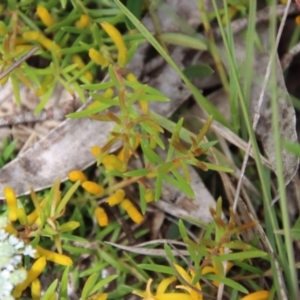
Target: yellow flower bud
pixel 101 216
pixel 93 188
pixel 98 58
pixel 112 162
pixel 36 290
pixel 144 105
pixel 10 229
pixel 4 80
pixel 11 201
pixel 83 21
pixel 3 29
pixel 116 198
pixel 54 257
pixel 117 38
pixel 260 295
pixel 19 40
pixel 77 175
pixel 45 42
pixel 121 153
pixel 297 20
pixel 98 296
pixel 76 59
pixel 69 226
pixel 89 76
pixel 96 151
pixel 151 175
pixel 44 15
pixel 22 216
pixel 149 195
pixel 109 93
pixel 35 271
pixel 131 210
pixel 46 81
pixel 131 77
pixel 23 48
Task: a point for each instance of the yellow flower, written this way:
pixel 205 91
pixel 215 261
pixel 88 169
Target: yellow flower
pixel 214 269
pixel 101 216
pixel 93 188
pixel 117 38
pixel 98 58
pixel 297 20
pixel 260 295
pixel 161 294
pixel 54 257
pixel 143 104
pixel 22 216
pixel 36 290
pixel 35 271
pixel 194 295
pixel 3 29
pixel 76 175
pixel 83 21
pixel 121 154
pixel 76 59
pixel 131 210
pixel 46 81
pixel 44 15
pixel 116 198
pixel 45 42
pixel 112 162
pixel 131 77
pixel 98 296
pixel 10 229
pixel 149 195
pixel 96 151
pixel 11 201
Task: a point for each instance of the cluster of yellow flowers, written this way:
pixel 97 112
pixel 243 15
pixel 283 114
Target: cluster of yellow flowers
pixel 194 290
pixel 30 222
pixel 110 162
pixel 22 43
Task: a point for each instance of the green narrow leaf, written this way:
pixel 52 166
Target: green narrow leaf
pixel 88 287
pixel 63 291
pixel 16 89
pixel 104 282
pixel 94 269
pixel 217 167
pixel 113 77
pixel 88 112
pixel 44 99
pixel 143 202
pixel 226 281
pixel 157 268
pixel 180 39
pixel 136 9
pixel 67 197
pixel 8 150
pixel 180 183
pixel 98 86
pixel 243 255
pixel 292 147
pixel 170 256
pixel 198 71
pixel 150 154
pixel 51 289
pixel 158 186
pixel 137 173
